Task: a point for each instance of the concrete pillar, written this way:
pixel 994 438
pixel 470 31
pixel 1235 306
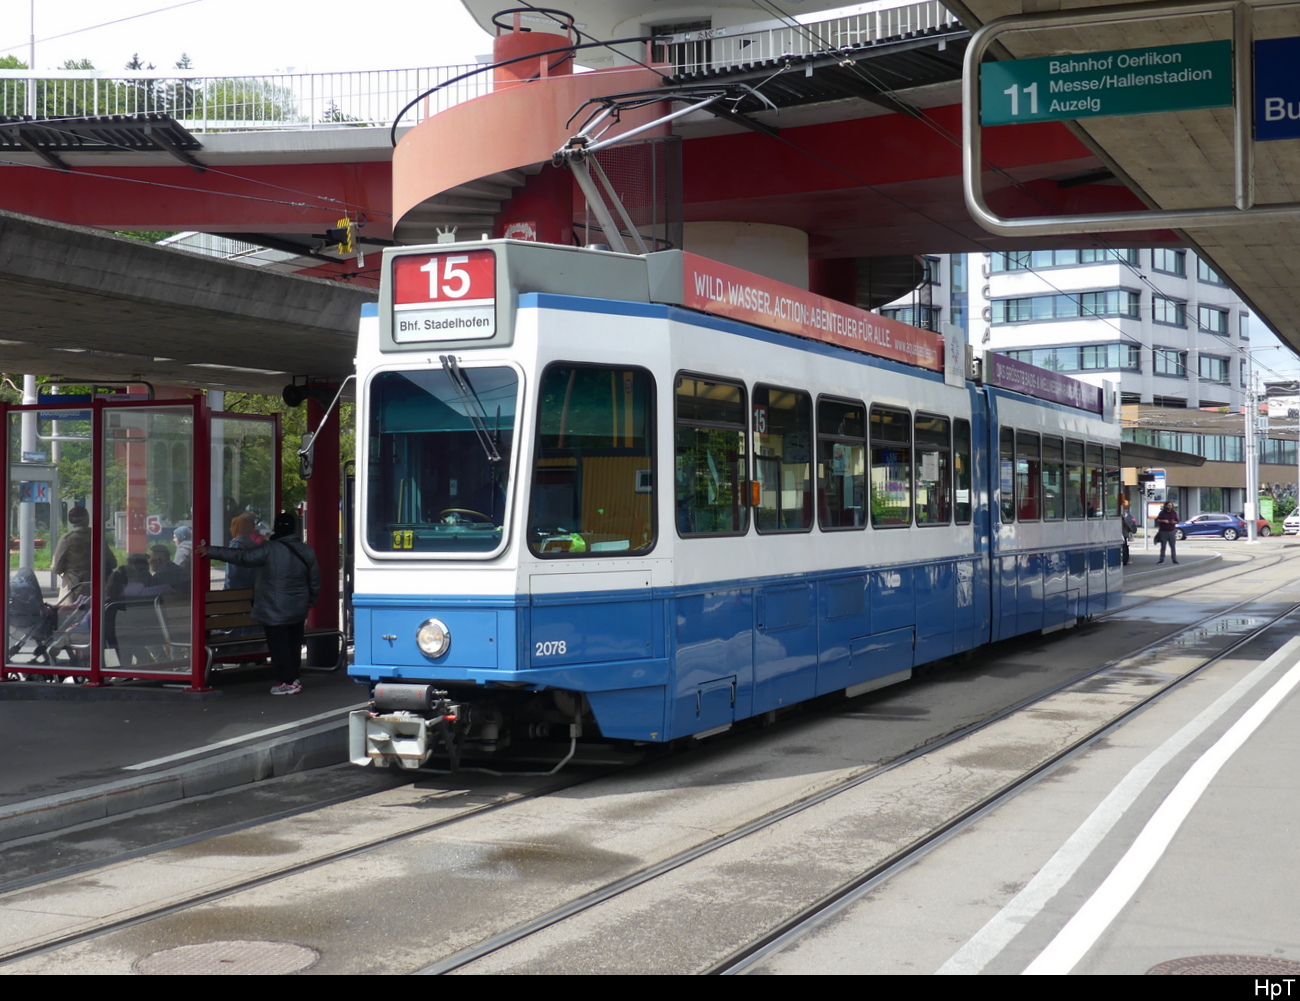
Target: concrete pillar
pixel 779 252
pixel 321 530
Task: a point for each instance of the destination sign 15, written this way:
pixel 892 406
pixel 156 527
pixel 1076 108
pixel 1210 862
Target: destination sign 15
pixel 444 297
pixel 1094 84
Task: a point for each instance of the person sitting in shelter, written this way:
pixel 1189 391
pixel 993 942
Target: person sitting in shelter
pixel 133 580
pixel 129 625
pixel 71 559
pixel 164 573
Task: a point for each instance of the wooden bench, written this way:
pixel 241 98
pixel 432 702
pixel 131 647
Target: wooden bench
pixel 230 633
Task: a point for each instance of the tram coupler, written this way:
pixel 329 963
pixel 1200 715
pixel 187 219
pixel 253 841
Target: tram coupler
pixel 403 726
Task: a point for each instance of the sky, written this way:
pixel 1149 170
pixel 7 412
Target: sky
pixel 233 37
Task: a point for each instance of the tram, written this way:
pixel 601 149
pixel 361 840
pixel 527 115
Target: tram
pixel 643 498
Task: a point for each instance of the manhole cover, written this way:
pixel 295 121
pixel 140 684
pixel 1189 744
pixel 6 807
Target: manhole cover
pixel 228 959
pixel 1217 966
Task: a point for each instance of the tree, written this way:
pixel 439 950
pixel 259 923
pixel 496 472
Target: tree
pixel 333 113
pixel 249 100
pixel 13 93
pixel 293 424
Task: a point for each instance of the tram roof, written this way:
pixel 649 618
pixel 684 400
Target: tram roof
pixel 87 306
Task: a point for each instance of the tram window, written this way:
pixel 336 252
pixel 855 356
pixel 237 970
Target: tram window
pixel 710 457
pixel 1114 488
pixel 933 470
pixel 783 459
pixel 961 454
pixel 1096 472
pixel 593 463
pixel 1053 479
pixel 891 467
pixel 1029 465
pixel 841 464
pixel 1007 473
pixel 1075 482
pixel 432 485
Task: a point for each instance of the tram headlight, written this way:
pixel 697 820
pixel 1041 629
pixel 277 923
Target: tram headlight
pixel 433 638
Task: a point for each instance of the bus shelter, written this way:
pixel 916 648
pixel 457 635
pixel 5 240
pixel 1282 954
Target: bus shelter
pixel 108 496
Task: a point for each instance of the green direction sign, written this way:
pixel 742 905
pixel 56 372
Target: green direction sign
pixel 1123 82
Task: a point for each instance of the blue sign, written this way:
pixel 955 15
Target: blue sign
pixel 34 492
pixel 1277 89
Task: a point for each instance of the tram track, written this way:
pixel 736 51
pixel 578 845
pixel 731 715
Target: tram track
pixel 502 941
pixel 808 917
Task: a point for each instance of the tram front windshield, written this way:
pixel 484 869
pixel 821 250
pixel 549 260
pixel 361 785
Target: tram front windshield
pixel 440 444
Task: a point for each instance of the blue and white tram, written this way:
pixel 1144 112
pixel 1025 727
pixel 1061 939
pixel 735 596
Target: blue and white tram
pixel 585 508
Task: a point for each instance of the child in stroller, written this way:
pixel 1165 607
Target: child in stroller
pixel 30 618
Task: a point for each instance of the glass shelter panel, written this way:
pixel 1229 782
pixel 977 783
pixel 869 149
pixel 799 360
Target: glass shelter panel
pixel 148 476
pixel 245 474
pixel 53 536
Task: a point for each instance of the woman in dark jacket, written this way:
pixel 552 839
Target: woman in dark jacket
pixel 283 593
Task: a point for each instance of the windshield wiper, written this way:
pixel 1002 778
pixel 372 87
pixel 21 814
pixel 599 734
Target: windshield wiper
pixel 473 406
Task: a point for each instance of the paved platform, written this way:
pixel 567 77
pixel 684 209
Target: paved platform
pixel 74 754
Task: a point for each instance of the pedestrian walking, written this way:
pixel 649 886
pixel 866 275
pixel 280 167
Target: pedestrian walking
pixel 285 590
pixel 1167 531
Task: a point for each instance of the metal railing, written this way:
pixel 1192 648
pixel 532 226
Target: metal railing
pixel 220 104
pixel 724 48
pixel 205 103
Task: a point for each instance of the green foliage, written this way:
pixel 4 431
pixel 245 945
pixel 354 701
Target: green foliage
pixel 145 236
pixel 293 424
pixel 235 100
pixel 333 113
pixel 249 100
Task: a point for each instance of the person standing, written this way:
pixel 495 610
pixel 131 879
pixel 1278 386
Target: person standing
pixel 243 535
pixel 1167 531
pixel 283 593
pixel 71 561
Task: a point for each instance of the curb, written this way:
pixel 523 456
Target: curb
pixel 315 747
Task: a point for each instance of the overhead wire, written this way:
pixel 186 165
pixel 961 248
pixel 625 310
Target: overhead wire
pixel 103 24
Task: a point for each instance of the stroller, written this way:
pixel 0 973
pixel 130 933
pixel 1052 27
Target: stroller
pixel 30 619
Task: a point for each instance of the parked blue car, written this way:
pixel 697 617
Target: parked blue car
pixel 1229 526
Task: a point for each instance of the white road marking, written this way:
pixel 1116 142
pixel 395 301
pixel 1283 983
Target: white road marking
pixel 1003 927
